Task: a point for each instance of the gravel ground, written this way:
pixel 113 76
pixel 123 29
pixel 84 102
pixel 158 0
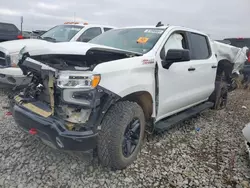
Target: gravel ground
pixel 206 151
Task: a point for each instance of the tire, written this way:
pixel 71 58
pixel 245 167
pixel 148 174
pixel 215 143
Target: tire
pixel 235 83
pixel 220 95
pixel 111 142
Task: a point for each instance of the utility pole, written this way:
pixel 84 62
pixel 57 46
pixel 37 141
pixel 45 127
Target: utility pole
pixel 74 16
pixel 22 24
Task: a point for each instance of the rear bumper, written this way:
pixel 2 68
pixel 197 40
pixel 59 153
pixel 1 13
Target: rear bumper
pixel 10 77
pixel 52 131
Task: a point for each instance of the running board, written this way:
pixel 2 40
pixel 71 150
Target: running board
pixel 169 123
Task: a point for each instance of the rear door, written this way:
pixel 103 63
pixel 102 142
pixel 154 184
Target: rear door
pixel 205 62
pixel 8 32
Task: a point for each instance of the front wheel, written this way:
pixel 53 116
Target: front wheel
pixel 121 135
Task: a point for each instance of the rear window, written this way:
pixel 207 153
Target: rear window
pixel 240 43
pixel 8 27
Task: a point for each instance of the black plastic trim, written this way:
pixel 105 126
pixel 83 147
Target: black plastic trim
pixel 52 127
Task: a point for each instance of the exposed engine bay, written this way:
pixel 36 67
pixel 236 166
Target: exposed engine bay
pixel 64 87
pixel 92 58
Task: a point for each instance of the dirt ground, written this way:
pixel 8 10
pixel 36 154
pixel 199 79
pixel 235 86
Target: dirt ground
pixel 206 151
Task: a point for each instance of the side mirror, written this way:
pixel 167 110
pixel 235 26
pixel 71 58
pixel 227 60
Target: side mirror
pixel 175 56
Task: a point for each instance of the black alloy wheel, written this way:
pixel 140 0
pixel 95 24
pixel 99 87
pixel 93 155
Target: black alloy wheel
pixel 131 137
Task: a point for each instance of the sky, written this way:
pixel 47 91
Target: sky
pixel 218 18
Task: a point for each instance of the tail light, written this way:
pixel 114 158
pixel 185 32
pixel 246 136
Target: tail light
pixel 20 37
pixel 33 131
pixel 248 56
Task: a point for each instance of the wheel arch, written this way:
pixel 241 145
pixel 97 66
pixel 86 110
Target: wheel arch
pixel 226 66
pixel 144 99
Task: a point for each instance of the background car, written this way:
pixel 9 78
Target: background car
pixel 74 31
pixel 9 31
pixel 11 75
pixel 36 34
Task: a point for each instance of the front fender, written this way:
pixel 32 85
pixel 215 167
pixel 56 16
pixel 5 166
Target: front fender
pixel 127 76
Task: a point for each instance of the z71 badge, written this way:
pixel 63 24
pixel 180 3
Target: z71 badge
pixel 147 61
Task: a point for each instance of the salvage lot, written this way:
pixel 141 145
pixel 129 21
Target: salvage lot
pixel 208 150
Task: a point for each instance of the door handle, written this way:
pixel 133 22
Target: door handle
pixel 191 69
pixel 214 67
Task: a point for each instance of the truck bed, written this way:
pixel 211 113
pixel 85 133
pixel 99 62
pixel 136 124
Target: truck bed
pixel 233 54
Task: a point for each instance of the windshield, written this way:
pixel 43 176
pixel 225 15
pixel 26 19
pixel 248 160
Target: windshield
pixel 139 40
pixel 62 33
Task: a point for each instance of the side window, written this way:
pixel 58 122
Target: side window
pixel 177 40
pixel 106 29
pixel 90 34
pixel 200 48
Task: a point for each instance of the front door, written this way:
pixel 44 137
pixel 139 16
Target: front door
pixel 177 85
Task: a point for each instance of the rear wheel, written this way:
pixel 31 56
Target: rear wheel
pixel 121 135
pixel 220 94
pixel 235 82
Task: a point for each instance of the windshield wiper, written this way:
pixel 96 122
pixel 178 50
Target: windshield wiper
pixel 50 39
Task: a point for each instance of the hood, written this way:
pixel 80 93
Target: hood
pixel 69 56
pixel 72 48
pixel 15 46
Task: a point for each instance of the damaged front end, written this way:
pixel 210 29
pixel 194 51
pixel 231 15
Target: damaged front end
pixel 62 107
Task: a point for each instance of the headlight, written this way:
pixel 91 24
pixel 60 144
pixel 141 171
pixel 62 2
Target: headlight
pixel 76 79
pixel 14 58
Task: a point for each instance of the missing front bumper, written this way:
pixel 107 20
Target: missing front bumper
pixel 53 132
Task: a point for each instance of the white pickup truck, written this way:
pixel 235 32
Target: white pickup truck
pixel 104 93
pixel 11 75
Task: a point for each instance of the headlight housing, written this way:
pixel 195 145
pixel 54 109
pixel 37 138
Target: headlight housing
pixel 76 79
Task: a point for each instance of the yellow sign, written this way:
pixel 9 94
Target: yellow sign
pixel 142 40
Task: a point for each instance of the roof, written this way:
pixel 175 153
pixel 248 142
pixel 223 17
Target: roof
pixel 89 25
pixel 165 27
pixel 147 26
